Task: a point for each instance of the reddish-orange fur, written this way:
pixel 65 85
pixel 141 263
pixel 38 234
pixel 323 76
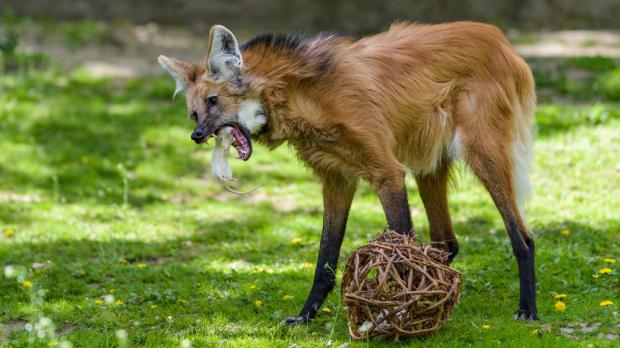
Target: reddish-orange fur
pixel 378 109
pixel 415 97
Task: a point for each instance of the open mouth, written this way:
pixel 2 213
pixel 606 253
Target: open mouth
pixel 241 139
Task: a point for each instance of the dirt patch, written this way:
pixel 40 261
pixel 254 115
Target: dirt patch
pixel 569 43
pixel 65 330
pixel 7 328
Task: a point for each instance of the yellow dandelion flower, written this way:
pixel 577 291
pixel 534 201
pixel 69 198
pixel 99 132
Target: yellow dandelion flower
pixel 560 297
pixel 153 306
pixel 258 303
pixel 326 310
pixel 485 326
pixel 9 232
pixel 296 241
pixel 565 233
pixel 119 302
pixel 98 301
pixel 606 303
pixel 308 265
pixel 560 306
pixel 27 284
pixel 609 260
pixel 253 286
pixel 286 298
pixel 605 270
pixel 141 265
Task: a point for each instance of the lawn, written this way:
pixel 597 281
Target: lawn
pixel 112 232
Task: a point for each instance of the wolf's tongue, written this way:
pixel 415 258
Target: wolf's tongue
pixel 240 143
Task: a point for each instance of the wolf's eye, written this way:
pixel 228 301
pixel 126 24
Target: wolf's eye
pixel 212 101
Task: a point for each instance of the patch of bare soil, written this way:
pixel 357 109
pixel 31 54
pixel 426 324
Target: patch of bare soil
pixel 569 43
pixel 7 328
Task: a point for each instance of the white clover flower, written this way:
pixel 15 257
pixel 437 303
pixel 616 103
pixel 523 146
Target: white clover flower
pixel 65 344
pixel 109 299
pixel 45 328
pixel 186 343
pixel 121 334
pixel 9 271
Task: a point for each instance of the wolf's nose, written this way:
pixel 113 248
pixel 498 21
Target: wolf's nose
pixel 198 135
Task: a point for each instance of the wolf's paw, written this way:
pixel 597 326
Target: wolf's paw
pixel 294 321
pixel 525 314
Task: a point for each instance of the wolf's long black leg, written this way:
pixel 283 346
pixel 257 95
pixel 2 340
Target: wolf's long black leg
pixel 337 197
pixel 499 182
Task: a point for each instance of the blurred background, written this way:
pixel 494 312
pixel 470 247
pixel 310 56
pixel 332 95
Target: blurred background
pixel 122 38
pixel 107 205
pixel 362 16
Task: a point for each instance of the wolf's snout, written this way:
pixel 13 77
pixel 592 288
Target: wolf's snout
pixel 198 135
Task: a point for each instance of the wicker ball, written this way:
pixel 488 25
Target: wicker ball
pixel 395 286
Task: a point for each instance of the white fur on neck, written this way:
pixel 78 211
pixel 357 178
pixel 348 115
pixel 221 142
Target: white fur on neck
pixel 251 116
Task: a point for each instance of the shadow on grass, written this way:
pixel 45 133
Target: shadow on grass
pixel 218 272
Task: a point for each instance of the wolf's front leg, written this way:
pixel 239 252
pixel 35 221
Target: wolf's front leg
pixel 338 193
pixel 393 196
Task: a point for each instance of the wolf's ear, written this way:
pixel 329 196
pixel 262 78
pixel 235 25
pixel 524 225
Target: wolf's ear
pixel 223 55
pixel 183 73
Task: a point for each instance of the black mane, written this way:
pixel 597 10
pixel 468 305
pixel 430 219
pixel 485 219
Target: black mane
pixel 294 40
pixel 291 40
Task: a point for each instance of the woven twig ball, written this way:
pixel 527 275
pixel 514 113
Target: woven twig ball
pixel 395 286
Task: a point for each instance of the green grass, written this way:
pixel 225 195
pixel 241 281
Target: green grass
pixel 104 191
pixel 579 78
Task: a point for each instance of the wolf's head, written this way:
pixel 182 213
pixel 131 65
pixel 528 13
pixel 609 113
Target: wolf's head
pixel 217 93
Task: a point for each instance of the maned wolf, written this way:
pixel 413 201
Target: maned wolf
pixel 416 98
